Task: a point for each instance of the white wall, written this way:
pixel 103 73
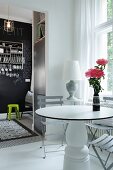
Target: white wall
pixel 60 45
pixel 60 37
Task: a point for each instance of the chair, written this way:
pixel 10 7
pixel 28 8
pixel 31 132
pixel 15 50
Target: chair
pixel 105 142
pixel 44 101
pixel 16 108
pixel 29 103
pixel 105 125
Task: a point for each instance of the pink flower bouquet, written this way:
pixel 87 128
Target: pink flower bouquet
pixel 95 74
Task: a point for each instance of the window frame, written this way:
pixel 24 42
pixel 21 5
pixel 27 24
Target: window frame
pixel 97 29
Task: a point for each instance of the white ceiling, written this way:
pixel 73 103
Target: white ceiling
pixel 15 13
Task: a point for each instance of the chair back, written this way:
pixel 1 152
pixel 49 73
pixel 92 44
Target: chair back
pixel 44 101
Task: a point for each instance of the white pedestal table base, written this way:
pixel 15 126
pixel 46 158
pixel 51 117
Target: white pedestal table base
pixel 76 153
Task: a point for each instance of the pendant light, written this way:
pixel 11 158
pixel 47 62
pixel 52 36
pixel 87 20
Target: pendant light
pixel 8 24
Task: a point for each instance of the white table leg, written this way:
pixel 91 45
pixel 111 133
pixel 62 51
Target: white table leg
pixel 76 153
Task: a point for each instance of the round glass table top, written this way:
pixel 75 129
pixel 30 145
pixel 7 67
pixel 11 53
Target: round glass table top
pixel 76 112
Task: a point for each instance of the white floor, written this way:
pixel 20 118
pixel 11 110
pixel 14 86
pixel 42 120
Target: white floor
pixel 29 157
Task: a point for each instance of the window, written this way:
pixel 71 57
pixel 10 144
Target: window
pixel 104 39
pixel 103 11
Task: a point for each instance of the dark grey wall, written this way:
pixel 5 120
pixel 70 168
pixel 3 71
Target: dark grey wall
pixel 13 90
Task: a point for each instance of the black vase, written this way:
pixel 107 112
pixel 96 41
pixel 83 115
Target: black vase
pixel 96 102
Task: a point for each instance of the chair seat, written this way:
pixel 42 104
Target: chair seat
pixel 13 105
pixel 104 122
pixel 99 126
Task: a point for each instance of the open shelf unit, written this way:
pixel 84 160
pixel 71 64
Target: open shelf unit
pixel 11 58
pixel 40 27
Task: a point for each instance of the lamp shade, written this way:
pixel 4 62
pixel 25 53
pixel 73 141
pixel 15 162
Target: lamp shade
pixel 8 25
pixel 71 70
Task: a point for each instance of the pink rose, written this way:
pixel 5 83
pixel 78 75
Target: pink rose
pixel 102 61
pixel 94 73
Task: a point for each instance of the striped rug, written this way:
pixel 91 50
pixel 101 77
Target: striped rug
pixel 14 133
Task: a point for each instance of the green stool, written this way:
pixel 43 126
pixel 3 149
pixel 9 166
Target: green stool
pixel 16 107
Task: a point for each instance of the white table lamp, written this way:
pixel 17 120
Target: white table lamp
pixel 72 75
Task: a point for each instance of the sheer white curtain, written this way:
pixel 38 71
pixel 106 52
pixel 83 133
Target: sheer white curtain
pixel 83 40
